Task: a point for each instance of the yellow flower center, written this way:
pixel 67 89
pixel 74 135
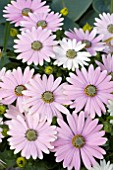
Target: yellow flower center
pixel 110 28
pixel 90 90
pixel 48 97
pixel 42 24
pixel 31 135
pixel 71 53
pixel 78 141
pixel 88 43
pixel 36 45
pixel 25 11
pixel 18 90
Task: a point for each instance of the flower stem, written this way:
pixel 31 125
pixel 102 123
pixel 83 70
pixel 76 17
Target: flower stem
pixel 111 7
pixel 6 36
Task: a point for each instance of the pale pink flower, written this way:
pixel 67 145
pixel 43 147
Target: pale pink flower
pixel 46 97
pixel 107 63
pixel 16 11
pixel 50 21
pixel 12 112
pixel 90 90
pixel 12 85
pixel 31 136
pixel 104 26
pixel 92 41
pixel 35 46
pixel 79 139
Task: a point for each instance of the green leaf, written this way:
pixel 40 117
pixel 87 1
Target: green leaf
pixel 10 40
pixel 69 24
pixel 2 5
pixel 101 5
pixel 88 18
pixel 76 8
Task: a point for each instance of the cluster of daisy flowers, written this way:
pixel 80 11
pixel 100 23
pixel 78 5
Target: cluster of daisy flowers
pixel 34 100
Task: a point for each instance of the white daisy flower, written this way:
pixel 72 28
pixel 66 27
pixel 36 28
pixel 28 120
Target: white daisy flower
pixel 103 166
pixel 110 108
pixel 69 54
pixel 104 25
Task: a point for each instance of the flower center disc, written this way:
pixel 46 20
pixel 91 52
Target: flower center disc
pixel 48 97
pixel 18 90
pixel 26 11
pixel 42 23
pixel 36 45
pixel 71 53
pixel 90 90
pixel 110 28
pixel 31 135
pixel 88 43
pixel 78 141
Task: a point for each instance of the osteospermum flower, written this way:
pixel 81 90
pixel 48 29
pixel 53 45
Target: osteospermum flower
pixel 46 97
pixel 90 90
pixel 16 11
pixel 31 136
pixel 50 21
pixel 91 39
pixel 69 55
pixel 79 139
pixel 110 108
pixel 104 25
pixel 107 63
pixel 12 112
pixel 35 46
pixel 12 85
pixel 103 166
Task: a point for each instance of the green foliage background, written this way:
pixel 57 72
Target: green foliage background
pixel 80 13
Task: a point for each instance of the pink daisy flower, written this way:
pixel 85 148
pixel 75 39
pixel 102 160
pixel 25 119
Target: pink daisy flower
pixel 46 97
pixel 35 46
pixel 12 85
pixel 90 90
pixel 108 48
pixel 50 21
pixel 107 63
pixel 104 25
pixel 31 136
pixel 16 11
pixel 79 139
pixel 91 39
pixel 12 112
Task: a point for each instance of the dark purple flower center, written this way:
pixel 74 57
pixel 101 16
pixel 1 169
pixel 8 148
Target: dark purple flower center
pixel 31 134
pixel 110 28
pixel 87 42
pixel 18 90
pixel 48 97
pixel 25 11
pixel 36 45
pixel 42 24
pixel 71 53
pixel 90 90
pixel 78 141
